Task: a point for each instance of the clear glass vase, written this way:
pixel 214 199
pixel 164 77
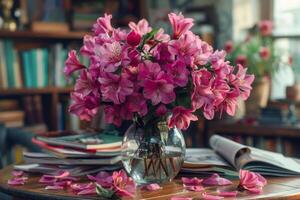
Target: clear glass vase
pixel 152 153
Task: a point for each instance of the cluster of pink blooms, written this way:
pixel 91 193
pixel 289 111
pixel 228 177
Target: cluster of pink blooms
pixel 143 71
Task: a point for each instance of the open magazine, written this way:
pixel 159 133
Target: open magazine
pixel 228 156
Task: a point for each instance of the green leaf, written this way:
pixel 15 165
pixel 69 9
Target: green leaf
pixel 146 38
pixel 104 192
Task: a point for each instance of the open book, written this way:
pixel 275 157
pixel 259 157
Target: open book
pixel 228 156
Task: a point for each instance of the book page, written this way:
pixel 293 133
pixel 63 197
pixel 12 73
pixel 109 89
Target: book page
pixel 228 149
pixel 271 158
pixel 202 157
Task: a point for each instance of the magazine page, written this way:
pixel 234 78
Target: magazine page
pixel 203 157
pixel 274 162
pixel 228 149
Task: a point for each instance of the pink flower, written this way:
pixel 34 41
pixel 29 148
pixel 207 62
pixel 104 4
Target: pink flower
pixel 179 73
pixel 119 35
pixel 148 70
pixel 265 27
pixel 230 102
pixel 243 81
pixel 181 118
pixel 133 38
pixel 162 54
pixel 103 25
pixel 85 107
pixel 72 64
pixel 228 46
pixel 17 181
pixel 216 180
pixel 142 27
pixel 203 96
pixel 112 115
pixel 16 173
pixel 242 60
pixel 217 56
pixel 161 36
pixel 184 48
pixel 203 54
pixel 251 181
pixel 85 85
pixel 137 103
pixel 115 88
pixel 123 185
pixel 88 46
pixel 161 110
pixel 180 24
pixel 264 53
pixel 110 56
pixel 195 188
pixel 160 89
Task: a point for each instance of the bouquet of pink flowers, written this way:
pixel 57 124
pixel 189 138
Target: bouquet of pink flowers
pixel 144 73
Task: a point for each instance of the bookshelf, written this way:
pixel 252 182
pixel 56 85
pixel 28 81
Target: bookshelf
pixel 32 45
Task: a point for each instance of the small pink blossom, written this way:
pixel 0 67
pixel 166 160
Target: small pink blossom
pixel 103 25
pixel 110 56
pixel 17 173
pixel 179 73
pixel 115 88
pixel 161 110
pixel 228 46
pixel 72 64
pixel 133 38
pixel 86 107
pixel 88 46
pixel 216 180
pixel 203 55
pixel 86 85
pixel 137 103
pixel 181 118
pixel 265 27
pixel 112 115
pixel 180 24
pixel 142 27
pixel 102 178
pixel 151 187
pixel 251 181
pixel 123 185
pixel 184 48
pixel 160 89
pixel 148 70
pixel 242 60
pixel 264 53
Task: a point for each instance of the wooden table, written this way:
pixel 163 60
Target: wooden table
pixel 277 188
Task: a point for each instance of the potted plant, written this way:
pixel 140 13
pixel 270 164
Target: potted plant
pixel 256 53
pixel 157 81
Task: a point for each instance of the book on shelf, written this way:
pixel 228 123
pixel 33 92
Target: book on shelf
pixel 33 68
pixel 9 104
pixel 228 157
pixel 14 118
pixel 49 27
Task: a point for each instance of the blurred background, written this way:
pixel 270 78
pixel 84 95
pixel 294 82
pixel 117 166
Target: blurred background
pixel 35 36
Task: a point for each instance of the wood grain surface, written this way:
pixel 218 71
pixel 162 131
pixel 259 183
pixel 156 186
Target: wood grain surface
pixel 277 188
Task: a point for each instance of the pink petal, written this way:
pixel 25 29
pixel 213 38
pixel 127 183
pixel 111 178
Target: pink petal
pixel 82 186
pixel 151 187
pixel 211 197
pixel 62 174
pixel 17 181
pixel 16 173
pixel 191 181
pixel 181 198
pixel 47 179
pixel 87 191
pixel 228 193
pixel 196 188
pixel 54 187
pixel 62 183
pixel 216 180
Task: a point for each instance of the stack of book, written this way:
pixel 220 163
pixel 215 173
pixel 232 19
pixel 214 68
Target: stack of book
pixel 80 154
pixel 10 113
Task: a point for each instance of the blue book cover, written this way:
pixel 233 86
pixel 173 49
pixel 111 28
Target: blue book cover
pixel 33 68
pixel 45 67
pixel 26 68
pixel 9 57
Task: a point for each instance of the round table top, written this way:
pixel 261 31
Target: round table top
pixel 277 188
